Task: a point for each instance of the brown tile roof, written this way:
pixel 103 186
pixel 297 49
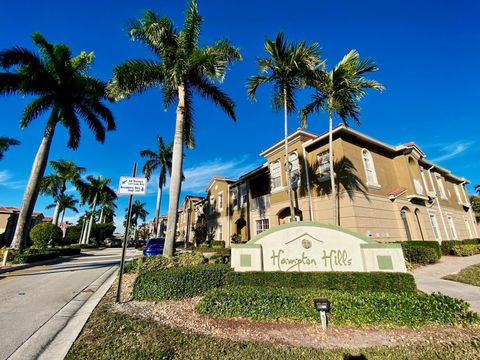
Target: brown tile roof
pixel 397 192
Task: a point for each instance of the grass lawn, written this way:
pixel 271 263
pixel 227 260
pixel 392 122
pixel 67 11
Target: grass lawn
pixel 110 335
pixel 469 275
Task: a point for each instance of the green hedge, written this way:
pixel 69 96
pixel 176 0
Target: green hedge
pixel 347 281
pixel 448 245
pixel 45 234
pixel 352 309
pixel 179 282
pixel 421 252
pixel 466 250
pixel 218 243
pixel 33 255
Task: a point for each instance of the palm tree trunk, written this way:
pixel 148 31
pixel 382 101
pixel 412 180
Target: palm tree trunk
pixel 92 216
pixel 56 213
pixel 176 178
pixel 338 204
pixel 33 185
pixel 157 213
pixel 63 215
pixel 332 175
pixel 100 221
pixel 287 162
pixel 84 225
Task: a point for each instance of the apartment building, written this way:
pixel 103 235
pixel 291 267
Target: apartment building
pixel 8 223
pixel 390 193
pixel 188 216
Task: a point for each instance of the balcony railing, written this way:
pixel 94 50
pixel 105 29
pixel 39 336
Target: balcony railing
pixel 261 202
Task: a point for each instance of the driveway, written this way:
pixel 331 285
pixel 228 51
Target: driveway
pixel 31 298
pixel 429 279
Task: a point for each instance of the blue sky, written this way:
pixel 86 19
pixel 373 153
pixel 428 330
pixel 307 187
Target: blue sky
pixel 427 52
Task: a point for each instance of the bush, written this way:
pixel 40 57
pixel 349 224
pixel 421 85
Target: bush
pixel 352 309
pixel 421 252
pixel 45 234
pixel 466 250
pixel 155 263
pixel 178 283
pixel 34 255
pixel 346 281
pixel 131 266
pixel 219 244
pixel 447 245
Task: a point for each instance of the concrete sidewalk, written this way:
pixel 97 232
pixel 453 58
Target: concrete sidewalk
pixel 429 279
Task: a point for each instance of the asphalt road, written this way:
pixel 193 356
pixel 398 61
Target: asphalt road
pixel 30 298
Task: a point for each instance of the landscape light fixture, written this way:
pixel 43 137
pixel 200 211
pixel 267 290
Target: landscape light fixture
pixel 323 306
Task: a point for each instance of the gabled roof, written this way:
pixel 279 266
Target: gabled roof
pixel 299 134
pixel 218 178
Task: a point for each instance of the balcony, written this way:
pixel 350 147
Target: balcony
pixel 261 202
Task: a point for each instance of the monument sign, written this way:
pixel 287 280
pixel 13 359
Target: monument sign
pixel 310 246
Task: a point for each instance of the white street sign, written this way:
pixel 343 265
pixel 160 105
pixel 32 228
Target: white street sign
pixel 132 185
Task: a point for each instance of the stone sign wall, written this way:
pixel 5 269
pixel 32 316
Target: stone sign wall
pixel 310 246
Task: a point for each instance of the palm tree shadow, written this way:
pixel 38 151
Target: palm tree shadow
pixel 346 179
pixel 354 357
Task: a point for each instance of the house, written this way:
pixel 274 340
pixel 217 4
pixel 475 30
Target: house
pixel 390 193
pixel 188 216
pixel 8 222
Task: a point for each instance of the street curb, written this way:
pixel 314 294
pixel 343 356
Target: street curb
pixel 54 339
pixel 58 260
pixel 63 341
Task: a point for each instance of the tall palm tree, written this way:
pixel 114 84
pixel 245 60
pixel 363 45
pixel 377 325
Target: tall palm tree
pixel 337 92
pixel 107 205
pixel 91 192
pixel 65 170
pixel 60 83
pixel 182 69
pixel 138 212
pixel 108 213
pixel 288 67
pixel 161 159
pixel 5 143
pixel 65 202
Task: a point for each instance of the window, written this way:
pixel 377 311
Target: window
pixel 369 168
pixel 457 193
pixel 467 225
pixel 295 169
pixel 262 225
pixel 418 186
pixel 323 166
pixel 275 176
pixel 403 215
pixel 452 227
pixel 243 195
pixel 220 232
pixel 441 188
pixel 220 201
pixel 211 233
pixel 212 204
pixel 436 231
pixel 235 198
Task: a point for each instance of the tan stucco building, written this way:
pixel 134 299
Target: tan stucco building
pixel 389 193
pixel 8 222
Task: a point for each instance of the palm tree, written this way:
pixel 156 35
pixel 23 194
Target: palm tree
pixel 63 203
pixel 108 213
pixel 338 92
pixel 161 159
pixel 138 212
pixel 287 68
pixel 60 83
pixel 5 143
pixel 182 69
pixel 91 192
pixel 65 170
pixel 108 206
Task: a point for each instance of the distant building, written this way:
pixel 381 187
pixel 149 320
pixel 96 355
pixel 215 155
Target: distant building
pixel 8 223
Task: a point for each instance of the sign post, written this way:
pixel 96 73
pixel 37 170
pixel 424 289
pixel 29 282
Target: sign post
pixel 131 186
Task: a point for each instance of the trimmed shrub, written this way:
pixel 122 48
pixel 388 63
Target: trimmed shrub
pixel 155 263
pixel 421 252
pixel 218 243
pixel 34 255
pixel 345 281
pixel 447 245
pixel 131 266
pixel 466 250
pixel 45 234
pixel 352 309
pixel 179 283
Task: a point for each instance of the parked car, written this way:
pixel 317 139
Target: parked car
pixel 139 243
pixel 154 247
pixel 116 243
pixel 131 243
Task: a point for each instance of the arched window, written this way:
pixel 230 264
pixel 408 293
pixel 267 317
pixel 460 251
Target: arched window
pixel 369 169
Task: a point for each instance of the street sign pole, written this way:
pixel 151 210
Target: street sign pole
pixel 124 248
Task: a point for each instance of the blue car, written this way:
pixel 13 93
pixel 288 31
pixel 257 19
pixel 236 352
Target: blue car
pixel 154 247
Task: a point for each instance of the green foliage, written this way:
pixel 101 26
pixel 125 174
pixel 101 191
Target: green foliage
pixel 131 266
pixel 218 243
pixel 469 275
pixel 34 255
pixel 45 234
pixel 466 250
pixel 344 281
pixel 448 245
pixel 102 231
pixel 73 233
pixel 115 335
pixel 347 308
pixel 155 263
pixel 179 282
pixel 421 252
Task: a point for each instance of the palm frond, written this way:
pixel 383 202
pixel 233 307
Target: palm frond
pixel 215 95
